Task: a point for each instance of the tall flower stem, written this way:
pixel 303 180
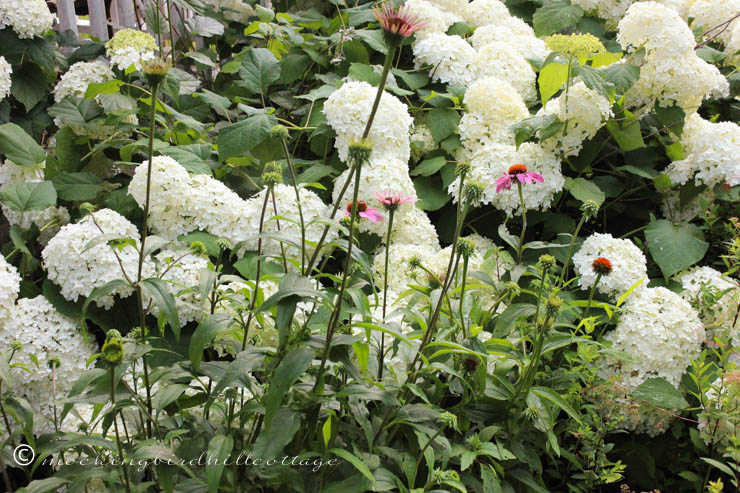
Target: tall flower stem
pixel 567 87
pixel 115 427
pixel 524 225
pixel 353 169
pixel 591 295
pixel 466 259
pixel 155 82
pixel 294 179
pixel 381 353
pixel 564 270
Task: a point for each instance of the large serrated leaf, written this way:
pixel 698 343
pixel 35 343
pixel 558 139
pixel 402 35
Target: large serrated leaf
pixel 659 392
pixel 259 69
pixel 238 139
pixel 32 196
pixel 556 16
pixel 675 247
pixel 20 147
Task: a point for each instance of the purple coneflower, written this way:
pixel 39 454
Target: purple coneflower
pixel 364 211
pixel 518 171
pixel 391 200
pixel 397 22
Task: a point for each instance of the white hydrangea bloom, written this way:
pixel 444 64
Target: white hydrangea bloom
pixel 421 141
pixel 662 334
pixel 44 334
pixel 718 316
pixel 459 8
pixel 414 226
pixel 711 151
pixel 493 162
pixel 435 20
pixel 450 58
pixel 130 47
pixel 586 113
pixel 629 265
pixel 234 299
pixel 528 46
pixel 493 106
pixel 438 262
pixel 400 273
pixel 654 26
pixel 502 60
pixel 5 80
pixel 181 271
pixel 610 10
pixel 28 18
pixel 347 111
pixel 684 79
pixel 708 14
pixel 680 6
pixel 10 285
pixel 486 12
pixel 80 75
pixel 170 194
pixel 732 47
pixel 78 272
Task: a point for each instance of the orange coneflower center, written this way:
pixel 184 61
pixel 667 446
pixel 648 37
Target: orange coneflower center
pixel 602 266
pixel 517 169
pixel 361 206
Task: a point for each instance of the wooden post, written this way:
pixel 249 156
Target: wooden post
pixel 98 19
pixel 125 11
pixel 67 16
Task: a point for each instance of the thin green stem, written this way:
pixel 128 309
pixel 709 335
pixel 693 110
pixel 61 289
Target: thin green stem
pixel 172 31
pixel 466 259
pixel 381 353
pixel 567 86
pixel 524 225
pixel 115 426
pixel 564 270
pixel 294 179
pixel 591 295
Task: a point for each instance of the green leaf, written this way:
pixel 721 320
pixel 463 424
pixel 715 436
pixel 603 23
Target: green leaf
pixel 594 80
pixel 167 395
pixel 357 463
pixel 584 190
pixel 160 293
pixel 622 75
pixel 722 467
pixel 672 118
pixel 551 79
pixel 259 69
pixel 29 85
pixel 527 128
pixel 220 448
pixel 31 196
pixel 291 368
pixel 431 195
pixel 204 26
pixel 442 123
pixel 660 392
pixel 271 443
pixel 429 166
pixel 109 87
pixel 204 335
pixel 76 186
pixel 627 133
pixel 675 247
pixel 238 139
pixel 20 147
pixel 555 16
pixel 45 485
pixel 555 398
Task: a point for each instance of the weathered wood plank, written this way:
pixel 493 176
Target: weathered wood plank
pixel 67 16
pixel 98 19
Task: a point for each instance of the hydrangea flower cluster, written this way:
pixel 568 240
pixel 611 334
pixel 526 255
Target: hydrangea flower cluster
pixel 10 283
pixel 5 81
pixel 716 297
pixel 671 71
pixel 78 271
pixel 130 47
pixel 44 334
pixel 629 264
pixel 660 332
pixel 181 270
pixel 80 75
pixel 711 151
pixel 707 14
pixel 28 18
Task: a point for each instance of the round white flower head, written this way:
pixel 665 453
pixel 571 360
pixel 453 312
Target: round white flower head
pixel 502 60
pixel 586 113
pixel 413 226
pixel 169 212
pixel 78 271
pixel 435 20
pixel 456 7
pixel 44 334
pixel 680 6
pixel 181 270
pixel 421 141
pixel 528 46
pixel 400 272
pixel 683 79
pixel 733 45
pixel 130 47
pixel 450 58
pixel 710 153
pixel 707 14
pixel 493 106
pixel 80 75
pixel 718 421
pixel 347 111
pixel 615 403
pixel 628 264
pixel 10 285
pixel 493 162
pixel 660 332
pixel 715 297
pixel 485 12
pixel 5 81
pixel 28 18
pixel 654 26
pixel 234 299
pixel 610 10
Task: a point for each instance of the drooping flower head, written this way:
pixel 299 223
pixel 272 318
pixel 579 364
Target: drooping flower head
pixel 602 266
pixel 392 200
pixel 519 172
pixel 130 47
pixel 397 22
pixel 364 211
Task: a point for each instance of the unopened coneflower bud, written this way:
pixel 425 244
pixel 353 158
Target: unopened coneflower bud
pixel 473 192
pixel 590 209
pixel 466 247
pixel 54 362
pixel 554 302
pixel 223 243
pixel 113 347
pixel 360 150
pixel 280 132
pixel 462 168
pixel 16 345
pixel 198 248
pixel 156 70
pixel 513 288
pixel 272 174
pixel 87 207
pixel 547 261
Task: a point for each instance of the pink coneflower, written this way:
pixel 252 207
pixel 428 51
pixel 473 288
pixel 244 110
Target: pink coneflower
pixel 391 200
pixel 518 171
pixel 397 21
pixel 364 211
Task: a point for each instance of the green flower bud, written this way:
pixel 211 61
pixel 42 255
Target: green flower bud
pixel 513 288
pixel 473 192
pixel 360 150
pixel 198 248
pixel 554 302
pixel 113 347
pixel 590 209
pixel 272 174
pixel 448 420
pixel 462 168
pixel 223 244
pixel 54 362
pixel 16 345
pixel 156 70
pixel 547 261
pixel 87 207
pixel 280 132
pixel 466 247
